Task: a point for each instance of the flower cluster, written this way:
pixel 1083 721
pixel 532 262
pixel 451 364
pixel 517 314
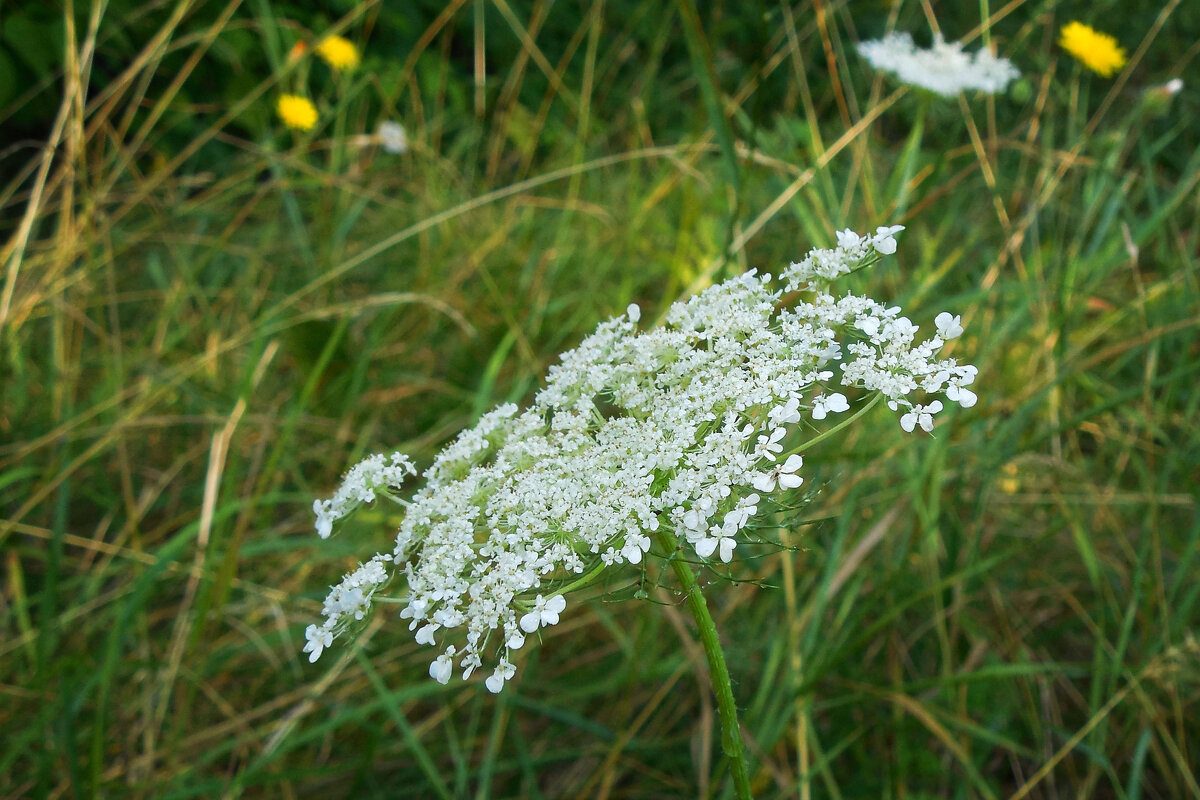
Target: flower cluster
pixel 943 68
pixel 679 432
pixel 359 486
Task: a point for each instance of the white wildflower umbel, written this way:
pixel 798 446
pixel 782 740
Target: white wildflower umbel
pixel 697 431
pixel 944 68
pixel 392 137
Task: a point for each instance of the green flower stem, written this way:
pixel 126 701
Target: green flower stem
pixel 718 673
pixel 835 429
pixel 585 580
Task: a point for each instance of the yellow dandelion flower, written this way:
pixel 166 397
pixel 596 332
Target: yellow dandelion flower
pixel 1097 51
pixel 338 52
pixel 296 111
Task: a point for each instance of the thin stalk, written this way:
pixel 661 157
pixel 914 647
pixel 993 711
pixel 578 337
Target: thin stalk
pixel 835 429
pixel 718 673
pixel 584 581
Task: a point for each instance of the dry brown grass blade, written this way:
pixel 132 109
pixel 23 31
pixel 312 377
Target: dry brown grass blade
pixel 931 723
pixel 1154 668
pixel 774 207
pixel 535 52
pixel 184 620
pixel 288 722
pixel 607 773
pixel 14 251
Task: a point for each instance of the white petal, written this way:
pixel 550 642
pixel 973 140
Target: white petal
pixel 727 546
pixel 908 422
pixel 440 670
pixel 764 482
pixel 705 547
pixel 494 684
pixel 425 635
pixel 529 623
pixel 793 463
pixel 790 481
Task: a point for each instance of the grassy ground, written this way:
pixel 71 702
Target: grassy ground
pixel 205 319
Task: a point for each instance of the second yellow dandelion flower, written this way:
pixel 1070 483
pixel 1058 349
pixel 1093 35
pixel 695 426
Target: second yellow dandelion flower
pixel 1097 51
pixel 296 112
pixel 338 52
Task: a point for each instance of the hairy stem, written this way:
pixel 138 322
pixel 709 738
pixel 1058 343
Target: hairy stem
pixel 718 673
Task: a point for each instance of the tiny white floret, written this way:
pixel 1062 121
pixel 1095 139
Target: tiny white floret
pixel 545 612
pixel 318 639
pixel 503 672
pixel 784 474
pixel 948 325
pixel 825 403
pixel 443 666
pixel 920 415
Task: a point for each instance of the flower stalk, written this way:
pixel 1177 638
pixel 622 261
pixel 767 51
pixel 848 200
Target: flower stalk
pixel 836 429
pixel 718 672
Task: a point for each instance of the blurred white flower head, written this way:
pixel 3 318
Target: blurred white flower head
pixel 392 137
pixel 696 432
pixel 944 68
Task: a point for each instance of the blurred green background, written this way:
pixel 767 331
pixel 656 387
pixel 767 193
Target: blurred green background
pixel 206 317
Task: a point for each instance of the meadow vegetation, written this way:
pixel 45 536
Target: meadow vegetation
pixel 206 317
